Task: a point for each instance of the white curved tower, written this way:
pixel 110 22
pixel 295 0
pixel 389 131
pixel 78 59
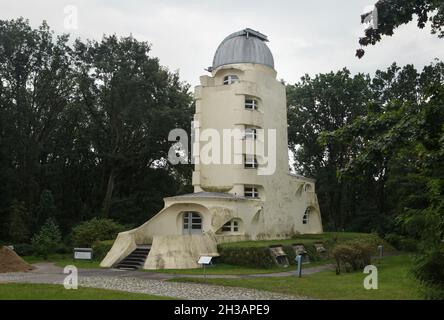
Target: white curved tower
pixel 243 93
pixel 243 190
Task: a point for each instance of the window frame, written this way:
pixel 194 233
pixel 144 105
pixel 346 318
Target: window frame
pixel 305 217
pixel 230 79
pixel 250 163
pixel 192 222
pixel 253 192
pixel 251 104
pixel 231 226
pixel 250 133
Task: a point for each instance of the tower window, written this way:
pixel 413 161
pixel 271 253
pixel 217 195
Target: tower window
pixel 250 104
pixel 251 192
pixel 250 134
pixel 306 216
pixel 231 78
pixel 231 226
pixel 250 162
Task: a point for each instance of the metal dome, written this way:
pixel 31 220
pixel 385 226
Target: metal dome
pixel 245 46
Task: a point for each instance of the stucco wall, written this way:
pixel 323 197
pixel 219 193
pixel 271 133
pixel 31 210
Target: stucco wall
pixel 222 107
pixel 284 198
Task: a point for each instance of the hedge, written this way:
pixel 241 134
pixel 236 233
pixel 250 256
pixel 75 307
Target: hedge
pixel 255 254
pixel 259 257
pixel 252 257
pixel 101 248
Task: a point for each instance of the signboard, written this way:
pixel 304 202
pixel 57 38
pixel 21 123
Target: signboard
pixel 83 254
pixel 204 260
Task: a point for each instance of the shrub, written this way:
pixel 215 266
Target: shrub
pixel 429 270
pixel 408 244
pixel 97 229
pixel 24 249
pixel 393 239
pixel 313 254
pixel 101 248
pixel 46 241
pixel 291 255
pixel 259 257
pixel 17 223
pixel 63 249
pixel 253 257
pixel 402 243
pixel 352 256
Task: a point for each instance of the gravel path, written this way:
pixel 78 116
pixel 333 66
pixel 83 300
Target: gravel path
pixel 189 291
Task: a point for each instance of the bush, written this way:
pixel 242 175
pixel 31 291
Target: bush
pixel 24 249
pixel 97 229
pixel 259 257
pixel 393 239
pixel 402 243
pixel 101 248
pixel 409 245
pixel 46 241
pixel 429 270
pixel 352 256
pixel 63 249
pixel 291 255
pixel 252 257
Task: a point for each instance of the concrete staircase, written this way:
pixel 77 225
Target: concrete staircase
pixel 136 259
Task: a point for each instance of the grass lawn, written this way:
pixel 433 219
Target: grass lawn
pixel 395 282
pixel 221 268
pixel 63 260
pixel 25 291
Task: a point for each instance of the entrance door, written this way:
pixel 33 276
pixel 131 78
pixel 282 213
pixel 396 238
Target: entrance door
pixel 192 223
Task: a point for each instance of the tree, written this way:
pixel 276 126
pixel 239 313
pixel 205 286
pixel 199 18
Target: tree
pixel 132 103
pixel 326 102
pixel 46 208
pixel 402 138
pixel 46 241
pixel 18 223
pixel 96 229
pixel 393 13
pixel 35 90
pixel 88 121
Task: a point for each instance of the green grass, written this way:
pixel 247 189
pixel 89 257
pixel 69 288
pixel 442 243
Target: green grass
pixel 62 260
pixel 309 239
pixel 227 269
pixel 395 282
pixel 25 291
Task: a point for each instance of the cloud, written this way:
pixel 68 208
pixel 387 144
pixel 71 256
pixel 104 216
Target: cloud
pixel 305 36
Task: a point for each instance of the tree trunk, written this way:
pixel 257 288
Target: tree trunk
pixel 109 193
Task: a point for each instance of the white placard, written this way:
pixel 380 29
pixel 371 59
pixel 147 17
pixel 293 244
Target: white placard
pixel 82 255
pixel 204 260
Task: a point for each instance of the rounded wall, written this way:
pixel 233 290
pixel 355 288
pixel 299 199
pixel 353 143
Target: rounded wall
pixel 168 222
pixel 223 107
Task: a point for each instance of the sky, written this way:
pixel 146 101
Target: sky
pixel 306 37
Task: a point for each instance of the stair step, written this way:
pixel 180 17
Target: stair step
pixel 126 264
pixel 135 259
pixel 127 268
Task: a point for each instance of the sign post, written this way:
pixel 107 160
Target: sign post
pixel 381 251
pixel 204 261
pixel 83 254
pixel 299 265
